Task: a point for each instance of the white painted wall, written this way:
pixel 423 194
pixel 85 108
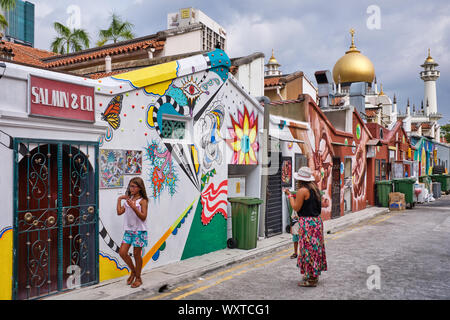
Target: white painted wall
pixel 183 43
pixel 430 94
pixel 251 76
pixel 309 88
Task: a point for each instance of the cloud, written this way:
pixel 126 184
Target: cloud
pixel 306 35
pixel 253 33
pixel 42 10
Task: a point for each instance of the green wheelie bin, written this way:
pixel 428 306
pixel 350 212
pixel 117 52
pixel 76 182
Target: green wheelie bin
pixel 244 218
pixel 444 179
pixel 384 187
pixel 405 186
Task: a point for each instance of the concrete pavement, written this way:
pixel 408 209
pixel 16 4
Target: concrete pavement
pixel 170 275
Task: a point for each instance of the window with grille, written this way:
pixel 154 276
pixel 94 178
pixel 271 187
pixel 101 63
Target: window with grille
pixel 173 129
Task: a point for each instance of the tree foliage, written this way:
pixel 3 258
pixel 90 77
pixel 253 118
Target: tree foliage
pixel 445 131
pixel 6 5
pixel 117 30
pixel 69 40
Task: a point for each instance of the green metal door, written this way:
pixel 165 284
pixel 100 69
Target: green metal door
pixel 55 216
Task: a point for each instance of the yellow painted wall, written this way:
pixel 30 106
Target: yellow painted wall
pixel 6 264
pixel 109 269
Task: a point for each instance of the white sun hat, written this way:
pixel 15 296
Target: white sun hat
pixel 304 174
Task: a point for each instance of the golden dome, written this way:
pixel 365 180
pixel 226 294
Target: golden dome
pixel 353 66
pixel 272 59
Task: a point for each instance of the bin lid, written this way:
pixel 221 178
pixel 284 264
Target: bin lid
pixel 409 180
pixel 245 200
pixel 384 182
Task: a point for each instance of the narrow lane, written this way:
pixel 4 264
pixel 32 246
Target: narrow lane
pixel 400 255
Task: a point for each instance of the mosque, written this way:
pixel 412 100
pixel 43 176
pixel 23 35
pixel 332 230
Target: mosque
pixel 354 76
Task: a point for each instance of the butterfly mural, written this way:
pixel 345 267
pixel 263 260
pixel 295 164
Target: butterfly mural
pixel 111 113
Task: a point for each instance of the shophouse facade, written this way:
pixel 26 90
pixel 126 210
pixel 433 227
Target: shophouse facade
pixel 71 145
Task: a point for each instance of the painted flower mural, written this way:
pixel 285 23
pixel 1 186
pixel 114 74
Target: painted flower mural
pixel 161 170
pixel 243 140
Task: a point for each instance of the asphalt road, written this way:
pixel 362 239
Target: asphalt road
pixel 400 255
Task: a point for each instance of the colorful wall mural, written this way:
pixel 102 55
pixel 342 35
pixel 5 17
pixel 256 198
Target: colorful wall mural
pixel 177 125
pixel 324 147
pixel 188 123
pixel 425 154
pixel 361 136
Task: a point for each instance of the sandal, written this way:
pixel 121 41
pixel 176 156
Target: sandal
pixel 307 283
pixel 131 278
pixel 294 255
pixel 137 283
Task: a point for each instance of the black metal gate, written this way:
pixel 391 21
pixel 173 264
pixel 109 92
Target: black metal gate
pixel 274 197
pixel 55 216
pixel 336 188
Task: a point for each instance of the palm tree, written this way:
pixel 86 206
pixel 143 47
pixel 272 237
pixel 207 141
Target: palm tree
pixel 118 30
pixel 69 40
pixel 6 5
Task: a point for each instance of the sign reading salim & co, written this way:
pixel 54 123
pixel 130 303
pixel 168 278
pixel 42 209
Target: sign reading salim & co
pixel 57 99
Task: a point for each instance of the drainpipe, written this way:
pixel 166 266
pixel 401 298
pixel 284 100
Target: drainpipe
pixel 150 53
pixel 278 93
pixel 108 67
pixel 264 166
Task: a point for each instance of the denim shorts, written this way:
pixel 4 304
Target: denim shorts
pixel 136 238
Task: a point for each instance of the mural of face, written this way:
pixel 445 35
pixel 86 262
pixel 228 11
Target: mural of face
pixel 359 171
pixel 359 168
pixel 320 153
pixel 211 125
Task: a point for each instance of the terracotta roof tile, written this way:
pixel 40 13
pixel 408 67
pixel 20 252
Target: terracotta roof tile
pixel 103 52
pixel 269 82
pixel 426 126
pixel 25 54
pixel 371 113
pixel 105 74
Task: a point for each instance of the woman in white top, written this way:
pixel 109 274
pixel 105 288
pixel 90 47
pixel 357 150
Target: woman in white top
pixel 135 228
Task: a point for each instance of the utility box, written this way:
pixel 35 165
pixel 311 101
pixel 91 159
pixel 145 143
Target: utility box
pixel 236 186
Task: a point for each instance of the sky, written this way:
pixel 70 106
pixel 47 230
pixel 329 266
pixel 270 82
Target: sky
pixel 307 35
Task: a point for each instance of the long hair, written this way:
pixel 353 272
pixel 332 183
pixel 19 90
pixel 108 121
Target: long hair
pixel 311 186
pixel 140 183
